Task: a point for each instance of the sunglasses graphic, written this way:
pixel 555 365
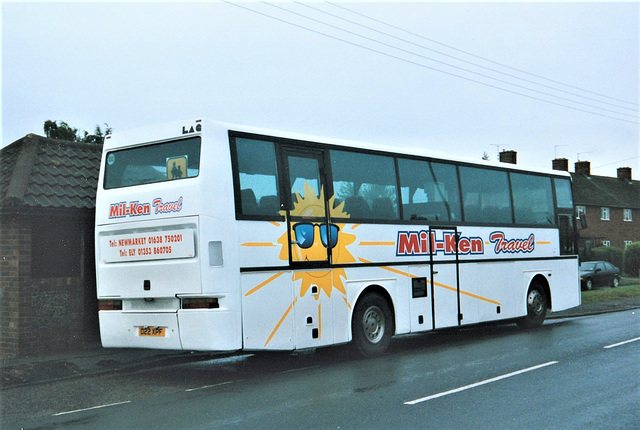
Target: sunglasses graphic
pixel 305 234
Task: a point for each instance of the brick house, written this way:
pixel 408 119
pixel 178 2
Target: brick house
pixel 47 272
pixel 610 206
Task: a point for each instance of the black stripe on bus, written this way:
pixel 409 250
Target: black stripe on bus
pixel 397 263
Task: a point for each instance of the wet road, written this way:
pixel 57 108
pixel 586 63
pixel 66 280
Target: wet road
pixel 572 373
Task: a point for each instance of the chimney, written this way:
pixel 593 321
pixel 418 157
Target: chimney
pixel 508 156
pixel 624 173
pixel 561 164
pixel 583 168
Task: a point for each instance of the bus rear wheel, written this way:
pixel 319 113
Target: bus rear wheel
pixel 536 307
pixel 372 325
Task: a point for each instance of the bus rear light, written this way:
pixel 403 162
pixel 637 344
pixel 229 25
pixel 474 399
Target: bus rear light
pixel 109 305
pixel 200 303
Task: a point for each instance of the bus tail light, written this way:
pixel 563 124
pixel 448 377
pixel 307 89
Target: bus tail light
pixel 109 305
pixel 200 303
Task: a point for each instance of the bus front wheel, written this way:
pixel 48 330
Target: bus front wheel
pixel 372 325
pixel 536 307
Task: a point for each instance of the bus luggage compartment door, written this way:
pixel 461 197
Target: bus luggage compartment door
pixel 444 277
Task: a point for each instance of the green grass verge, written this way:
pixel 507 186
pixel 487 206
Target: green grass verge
pixel 606 294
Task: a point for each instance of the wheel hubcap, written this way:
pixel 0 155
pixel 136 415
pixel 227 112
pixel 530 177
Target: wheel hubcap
pixel 373 323
pixel 535 303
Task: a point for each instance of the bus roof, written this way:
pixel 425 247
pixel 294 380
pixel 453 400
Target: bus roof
pixel 173 130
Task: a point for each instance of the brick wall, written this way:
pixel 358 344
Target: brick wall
pixel 15 271
pixel 40 315
pixel 616 230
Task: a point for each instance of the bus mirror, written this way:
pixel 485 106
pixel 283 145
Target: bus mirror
pixel 582 222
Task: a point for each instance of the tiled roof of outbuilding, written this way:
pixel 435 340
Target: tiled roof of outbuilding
pixel 604 191
pixel 39 172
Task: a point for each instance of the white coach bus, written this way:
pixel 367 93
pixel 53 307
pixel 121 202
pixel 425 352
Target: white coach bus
pixel 219 237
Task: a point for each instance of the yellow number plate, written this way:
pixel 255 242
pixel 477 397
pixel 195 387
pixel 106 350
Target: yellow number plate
pixel 151 331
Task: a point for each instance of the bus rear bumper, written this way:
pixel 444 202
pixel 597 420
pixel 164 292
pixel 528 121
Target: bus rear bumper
pixel 193 330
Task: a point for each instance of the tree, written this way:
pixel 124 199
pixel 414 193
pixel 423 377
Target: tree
pixel 65 132
pixel 60 132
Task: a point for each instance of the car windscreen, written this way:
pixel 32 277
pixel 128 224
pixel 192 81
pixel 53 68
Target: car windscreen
pixel 175 160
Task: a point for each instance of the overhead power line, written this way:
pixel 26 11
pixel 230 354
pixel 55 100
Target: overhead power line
pixel 478 56
pixel 458 58
pixel 331 36
pixel 617 162
pixel 453 66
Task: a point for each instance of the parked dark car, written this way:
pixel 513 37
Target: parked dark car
pixel 598 273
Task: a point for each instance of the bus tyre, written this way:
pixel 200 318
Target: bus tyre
pixel 372 325
pixel 536 307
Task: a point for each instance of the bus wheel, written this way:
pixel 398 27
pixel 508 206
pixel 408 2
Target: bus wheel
pixel 536 307
pixel 372 325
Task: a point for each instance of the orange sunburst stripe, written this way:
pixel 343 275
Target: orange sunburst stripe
pixel 275 329
pixel 446 287
pixel 346 302
pixel 262 284
pixel 484 299
pixel 258 244
pixel 543 243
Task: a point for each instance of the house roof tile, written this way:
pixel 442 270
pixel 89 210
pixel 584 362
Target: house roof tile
pixel 39 172
pixel 605 191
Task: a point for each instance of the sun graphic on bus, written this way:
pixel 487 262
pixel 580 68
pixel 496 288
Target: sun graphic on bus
pixel 311 241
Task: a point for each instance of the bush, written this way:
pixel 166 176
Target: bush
pixel 632 259
pixel 608 253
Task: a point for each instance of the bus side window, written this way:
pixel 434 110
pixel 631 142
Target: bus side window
pixel 430 190
pixel 486 196
pixel 532 199
pixel 367 184
pixel 258 177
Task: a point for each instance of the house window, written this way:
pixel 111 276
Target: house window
pixel 627 215
pixel 606 243
pixel 604 214
pixel 581 211
pixel 627 243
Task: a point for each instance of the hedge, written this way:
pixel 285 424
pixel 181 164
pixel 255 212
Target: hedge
pixel 608 253
pixel 632 259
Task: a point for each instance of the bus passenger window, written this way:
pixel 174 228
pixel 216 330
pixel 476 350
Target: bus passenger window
pixel 532 199
pixel 258 176
pixel 429 191
pixel 367 185
pixel 486 196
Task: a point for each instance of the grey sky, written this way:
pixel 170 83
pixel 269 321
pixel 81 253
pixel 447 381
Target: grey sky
pixel 134 65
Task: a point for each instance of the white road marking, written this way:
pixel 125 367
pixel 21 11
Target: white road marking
pixel 477 384
pixel 299 369
pixel 89 409
pixel 622 343
pixel 209 386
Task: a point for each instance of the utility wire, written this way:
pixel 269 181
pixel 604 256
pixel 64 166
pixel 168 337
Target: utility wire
pixel 463 60
pixel 616 162
pixel 406 51
pixel 422 65
pixel 478 56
